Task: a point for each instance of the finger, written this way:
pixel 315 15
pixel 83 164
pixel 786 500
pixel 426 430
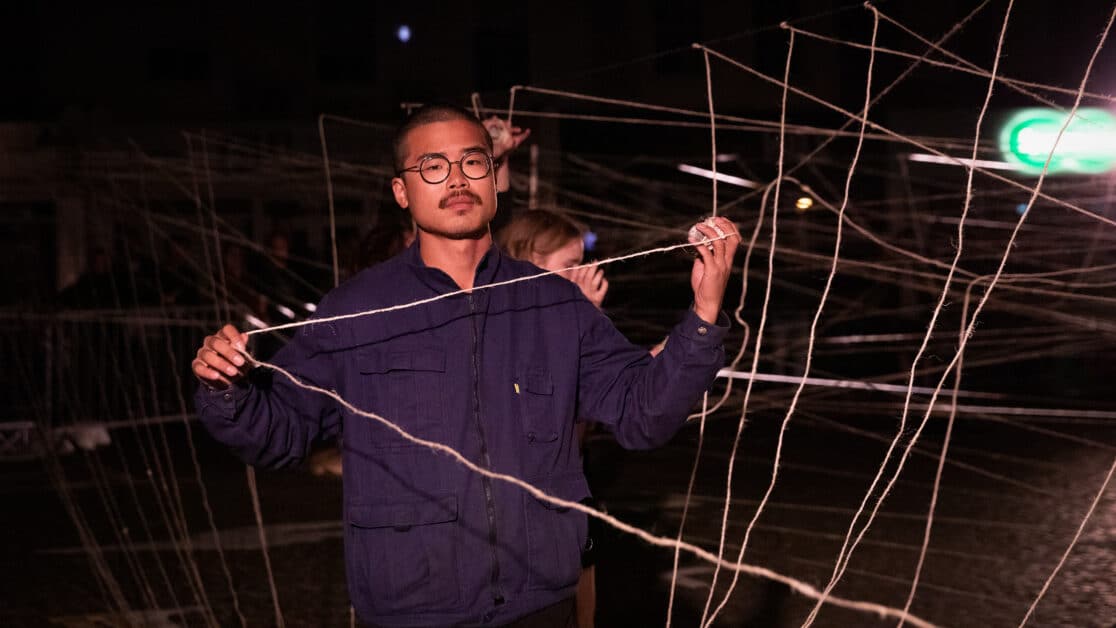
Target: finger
pixel 727 226
pixel 211 376
pixel 705 256
pixel 705 231
pixel 233 335
pixel 586 285
pixel 718 252
pixel 604 288
pixel 598 278
pixel 698 273
pixel 219 354
pixel 237 339
pixel 208 373
pixel 226 349
pixel 734 239
pixel 732 243
pixel 719 234
pixel 720 243
pixel 214 360
pixel 589 287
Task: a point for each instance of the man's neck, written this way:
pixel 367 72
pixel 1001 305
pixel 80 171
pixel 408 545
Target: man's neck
pixel 456 258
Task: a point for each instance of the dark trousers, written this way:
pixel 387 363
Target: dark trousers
pixel 560 615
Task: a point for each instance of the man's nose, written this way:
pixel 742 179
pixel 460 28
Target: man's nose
pixel 457 178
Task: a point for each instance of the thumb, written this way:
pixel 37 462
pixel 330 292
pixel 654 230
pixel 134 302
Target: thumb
pixel 697 273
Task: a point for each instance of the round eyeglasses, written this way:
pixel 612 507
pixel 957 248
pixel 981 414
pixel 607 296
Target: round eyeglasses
pixel 475 164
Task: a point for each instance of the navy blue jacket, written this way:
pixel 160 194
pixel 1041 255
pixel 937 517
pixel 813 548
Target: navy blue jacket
pixel 499 375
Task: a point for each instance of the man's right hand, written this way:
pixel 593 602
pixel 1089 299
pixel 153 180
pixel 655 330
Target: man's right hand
pixel 219 362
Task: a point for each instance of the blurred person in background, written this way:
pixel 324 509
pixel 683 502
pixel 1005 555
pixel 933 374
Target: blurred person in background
pixel 552 241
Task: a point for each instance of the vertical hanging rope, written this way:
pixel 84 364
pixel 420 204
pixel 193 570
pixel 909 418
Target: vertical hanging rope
pixel 756 352
pixel 218 253
pixel 329 198
pixel 686 507
pixel 1035 193
pixel 251 473
pixel 173 359
pixel 817 313
pixel 712 125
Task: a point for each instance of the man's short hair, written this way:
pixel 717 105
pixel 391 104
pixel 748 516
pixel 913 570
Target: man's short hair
pixel 427 114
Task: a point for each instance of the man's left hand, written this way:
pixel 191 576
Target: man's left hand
pixel 505 138
pixel 713 267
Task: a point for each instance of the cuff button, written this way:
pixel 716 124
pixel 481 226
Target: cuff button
pixel 228 396
pixel 702 330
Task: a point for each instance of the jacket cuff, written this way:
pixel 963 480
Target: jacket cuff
pixel 701 332
pixel 220 403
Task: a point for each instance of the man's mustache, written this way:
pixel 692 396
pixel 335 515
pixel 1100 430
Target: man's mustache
pixel 449 199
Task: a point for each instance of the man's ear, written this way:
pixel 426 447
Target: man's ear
pixel 399 190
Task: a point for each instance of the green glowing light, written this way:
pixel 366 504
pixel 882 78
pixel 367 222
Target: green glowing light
pixel 1087 146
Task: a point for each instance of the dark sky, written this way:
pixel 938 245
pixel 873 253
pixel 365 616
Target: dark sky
pixel 217 61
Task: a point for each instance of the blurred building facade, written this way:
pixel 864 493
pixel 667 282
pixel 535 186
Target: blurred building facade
pixel 106 101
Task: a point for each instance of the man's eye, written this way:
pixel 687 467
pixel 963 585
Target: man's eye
pixel 474 161
pixel 433 167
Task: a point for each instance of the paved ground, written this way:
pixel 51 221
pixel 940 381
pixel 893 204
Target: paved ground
pixel 1011 502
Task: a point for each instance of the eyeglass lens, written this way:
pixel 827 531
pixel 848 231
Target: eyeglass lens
pixel 436 168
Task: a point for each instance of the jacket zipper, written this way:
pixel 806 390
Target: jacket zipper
pixel 486 482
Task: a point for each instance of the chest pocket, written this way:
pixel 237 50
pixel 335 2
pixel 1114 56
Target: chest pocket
pixel 408 386
pixel 535 390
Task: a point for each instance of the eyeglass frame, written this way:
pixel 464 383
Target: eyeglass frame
pixel 489 159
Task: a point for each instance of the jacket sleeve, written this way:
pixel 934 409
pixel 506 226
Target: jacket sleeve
pixel 267 420
pixel 645 400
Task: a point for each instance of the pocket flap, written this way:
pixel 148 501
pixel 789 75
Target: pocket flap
pixel 571 487
pixel 386 361
pixel 542 436
pixel 404 514
pixel 538 382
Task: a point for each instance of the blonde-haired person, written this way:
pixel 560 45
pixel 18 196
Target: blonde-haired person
pixel 552 241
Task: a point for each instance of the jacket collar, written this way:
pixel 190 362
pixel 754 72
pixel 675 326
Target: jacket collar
pixel 440 281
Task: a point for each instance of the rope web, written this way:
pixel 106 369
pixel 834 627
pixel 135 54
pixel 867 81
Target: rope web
pixel 847 342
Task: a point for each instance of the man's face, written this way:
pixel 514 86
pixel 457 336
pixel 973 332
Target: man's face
pixel 459 207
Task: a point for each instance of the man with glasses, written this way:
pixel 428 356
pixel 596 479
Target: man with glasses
pixel 498 374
